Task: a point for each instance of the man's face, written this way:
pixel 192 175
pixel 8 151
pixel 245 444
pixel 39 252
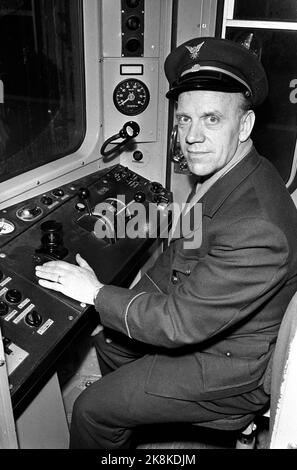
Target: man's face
pixel 209 124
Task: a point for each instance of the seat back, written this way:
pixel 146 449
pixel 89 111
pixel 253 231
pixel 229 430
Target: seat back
pixel 283 403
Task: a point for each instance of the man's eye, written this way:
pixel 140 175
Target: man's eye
pixel 183 120
pixel 212 119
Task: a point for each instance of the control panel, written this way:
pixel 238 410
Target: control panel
pixel 111 218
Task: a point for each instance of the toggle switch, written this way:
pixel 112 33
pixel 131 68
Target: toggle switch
pixel 13 296
pixel 33 318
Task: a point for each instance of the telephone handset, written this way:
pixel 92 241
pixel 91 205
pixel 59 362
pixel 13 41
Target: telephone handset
pixel 176 155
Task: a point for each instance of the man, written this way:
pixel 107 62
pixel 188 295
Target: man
pixel 192 340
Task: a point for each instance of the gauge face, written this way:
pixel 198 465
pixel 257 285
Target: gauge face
pixel 6 227
pixel 131 97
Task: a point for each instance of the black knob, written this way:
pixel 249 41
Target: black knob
pixel 46 200
pixel 33 318
pixel 138 155
pixel 132 45
pixel 3 308
pixel 133 23
pixel 84 193
pixel 156 187
pixel 58 192
pixel 52 239
pixel 51 226
pixel 139 196
pixel 13 296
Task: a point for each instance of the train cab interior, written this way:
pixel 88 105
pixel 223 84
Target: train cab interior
pixel 83 118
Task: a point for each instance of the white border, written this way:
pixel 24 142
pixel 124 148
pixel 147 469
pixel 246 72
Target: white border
pixel 280 25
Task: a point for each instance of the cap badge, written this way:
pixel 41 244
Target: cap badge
pixel 194 51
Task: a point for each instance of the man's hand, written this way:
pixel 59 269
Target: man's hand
pixel 78 282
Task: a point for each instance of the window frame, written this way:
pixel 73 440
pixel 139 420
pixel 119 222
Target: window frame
pixel 85 159
pixel 228 21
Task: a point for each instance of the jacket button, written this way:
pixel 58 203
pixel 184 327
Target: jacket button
pixel 174 279
pixel 228 354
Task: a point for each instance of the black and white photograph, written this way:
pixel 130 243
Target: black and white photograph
pixel 148 231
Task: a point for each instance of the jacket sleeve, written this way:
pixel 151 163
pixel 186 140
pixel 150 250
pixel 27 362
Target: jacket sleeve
pixel 157 277
pixel 244 266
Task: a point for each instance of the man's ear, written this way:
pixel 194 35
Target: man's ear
pixel 247 122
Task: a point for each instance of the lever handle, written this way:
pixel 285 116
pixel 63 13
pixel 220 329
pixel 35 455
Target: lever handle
pixel 84 194
pixel 129 130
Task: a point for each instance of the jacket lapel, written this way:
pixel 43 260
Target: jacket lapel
pixel 211 201
pixel 222 188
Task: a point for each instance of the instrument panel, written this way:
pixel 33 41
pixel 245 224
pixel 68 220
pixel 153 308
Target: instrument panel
pixel 89 216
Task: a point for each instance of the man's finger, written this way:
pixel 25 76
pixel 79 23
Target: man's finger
pixel 54 265
pixel 51 285
pixel 51 276
pixel 82 262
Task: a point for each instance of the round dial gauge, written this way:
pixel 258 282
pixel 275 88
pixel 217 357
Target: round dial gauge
pixel 6 227
pixel 131 96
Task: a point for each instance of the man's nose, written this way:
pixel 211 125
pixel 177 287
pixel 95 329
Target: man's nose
pixel 195 134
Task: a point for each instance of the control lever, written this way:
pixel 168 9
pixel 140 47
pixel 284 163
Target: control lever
pixel 52 240
pixel 129 130
pixel 84 194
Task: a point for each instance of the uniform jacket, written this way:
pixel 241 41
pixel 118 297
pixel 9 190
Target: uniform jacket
pixel 213 312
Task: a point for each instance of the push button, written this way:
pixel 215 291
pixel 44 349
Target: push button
pixel 13 296
pixel 58 192
pixel 3 308
pixel 80 206
pixel 46 200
